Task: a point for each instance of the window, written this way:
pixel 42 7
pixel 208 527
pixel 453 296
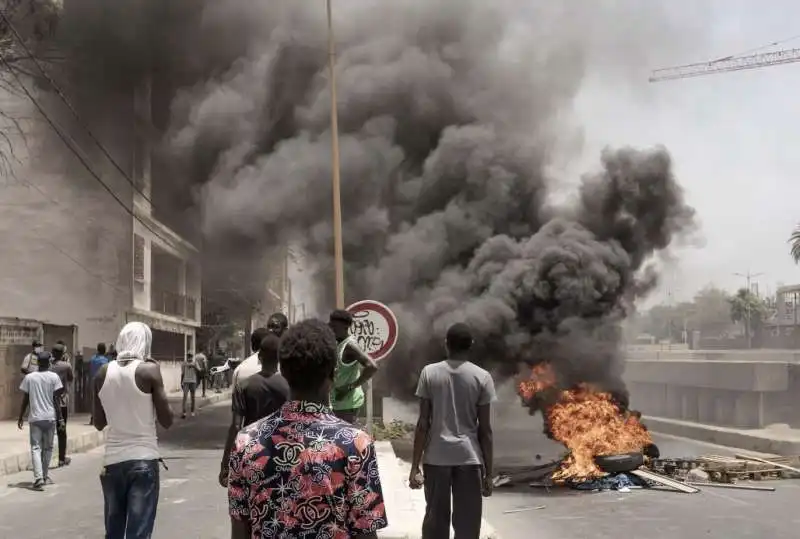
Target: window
pixel 138 258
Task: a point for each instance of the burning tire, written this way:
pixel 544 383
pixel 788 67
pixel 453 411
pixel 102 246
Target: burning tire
pixel 624 462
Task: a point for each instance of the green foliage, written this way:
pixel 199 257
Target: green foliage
pixel 393 431
pixel 794 245
pixel 746 306
pixel 709 312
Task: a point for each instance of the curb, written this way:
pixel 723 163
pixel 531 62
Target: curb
pixel 408 506
pixel 727 437
pixel 87 441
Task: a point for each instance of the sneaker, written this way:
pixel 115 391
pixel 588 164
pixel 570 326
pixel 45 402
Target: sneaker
pixel 38 485
pixel 183 415
pixel 192 414
pixel 64 462
pixel 48 481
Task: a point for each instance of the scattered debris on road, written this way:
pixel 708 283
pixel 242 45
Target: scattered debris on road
pixel 731 486
pixel 521 509
pixel 686 475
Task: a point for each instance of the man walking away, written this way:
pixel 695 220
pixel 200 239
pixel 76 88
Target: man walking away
pixel 455 435
pixel 276 325
pixel 29 364
pixel 42 392
pixel 303 472
pixel 256 397
pixel 63 368
pixel 190 375
pixel 130 398
pixel 353 368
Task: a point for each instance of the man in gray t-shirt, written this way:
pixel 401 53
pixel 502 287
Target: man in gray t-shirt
pixel 42 392
pixel 453 440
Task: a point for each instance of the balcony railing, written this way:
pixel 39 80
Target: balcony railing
pixel 170 303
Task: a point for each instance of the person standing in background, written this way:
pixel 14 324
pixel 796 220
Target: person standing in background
pixel 255 397
pixel 353 368
pixel 42 390
pixel 98 360
pixel 29 362
pixel 276 325
pixel 63 369
pixel 65 356
pixel 95 364
pixel 190 375
pixel 454 434
pixel 112 352
pixel 202 366
pixel 130 398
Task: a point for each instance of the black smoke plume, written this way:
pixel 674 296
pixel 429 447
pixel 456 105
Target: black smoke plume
pixel 451 115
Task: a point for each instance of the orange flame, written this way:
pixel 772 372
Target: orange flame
pixel 542 377
pixel 588 422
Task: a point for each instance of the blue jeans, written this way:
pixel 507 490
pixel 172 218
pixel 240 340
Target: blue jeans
pixel 42 433
pixel 130 490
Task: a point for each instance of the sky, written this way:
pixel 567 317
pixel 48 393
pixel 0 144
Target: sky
pixel 731 135
pixel 733 138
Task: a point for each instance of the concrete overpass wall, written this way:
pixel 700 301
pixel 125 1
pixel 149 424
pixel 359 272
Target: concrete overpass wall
pixel 741 394
pixel 641 354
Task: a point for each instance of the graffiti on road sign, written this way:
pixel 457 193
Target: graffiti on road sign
pixel 374 328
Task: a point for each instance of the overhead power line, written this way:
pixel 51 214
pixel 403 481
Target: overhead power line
pixel 69 105
pixel 71 145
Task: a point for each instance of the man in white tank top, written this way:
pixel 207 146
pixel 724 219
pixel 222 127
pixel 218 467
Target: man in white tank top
pixel 130 398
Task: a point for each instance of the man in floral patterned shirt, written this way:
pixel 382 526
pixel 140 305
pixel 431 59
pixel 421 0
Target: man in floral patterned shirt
pixel 302 472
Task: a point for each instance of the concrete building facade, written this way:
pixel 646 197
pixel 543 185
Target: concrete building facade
pixel 81 255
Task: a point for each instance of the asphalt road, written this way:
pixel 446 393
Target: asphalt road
pixel 193 506
pixel 639 514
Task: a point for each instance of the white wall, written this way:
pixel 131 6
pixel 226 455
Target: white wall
pixel 66 243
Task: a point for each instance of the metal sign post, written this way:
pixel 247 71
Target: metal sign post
pixel 375 330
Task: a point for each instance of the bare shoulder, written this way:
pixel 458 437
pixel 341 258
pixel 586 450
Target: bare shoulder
pixel 149 368
pixel 148 376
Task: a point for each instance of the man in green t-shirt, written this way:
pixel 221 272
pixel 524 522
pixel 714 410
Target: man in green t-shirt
pixel 353 369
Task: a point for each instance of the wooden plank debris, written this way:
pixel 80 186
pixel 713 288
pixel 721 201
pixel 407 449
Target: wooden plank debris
pixel 644 473
pixel 765 461
pixel 727 485
pixel 729 469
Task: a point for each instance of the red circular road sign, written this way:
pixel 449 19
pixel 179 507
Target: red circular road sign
pixel 374 327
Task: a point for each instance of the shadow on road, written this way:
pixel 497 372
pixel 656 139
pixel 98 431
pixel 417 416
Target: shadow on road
pixel 24 485
pixel 206 431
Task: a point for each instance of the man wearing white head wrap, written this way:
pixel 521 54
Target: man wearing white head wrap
pixel 130 398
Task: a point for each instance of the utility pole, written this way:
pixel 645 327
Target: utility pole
pixel 338 256
pixel 338 251
pixel 748 278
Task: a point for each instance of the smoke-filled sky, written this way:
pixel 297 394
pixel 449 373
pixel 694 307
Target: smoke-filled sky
pixel 475 181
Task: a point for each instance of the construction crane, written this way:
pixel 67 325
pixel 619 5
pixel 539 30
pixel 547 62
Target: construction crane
pixel 729 63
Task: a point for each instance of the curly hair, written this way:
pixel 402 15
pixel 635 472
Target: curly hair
pixel 308 355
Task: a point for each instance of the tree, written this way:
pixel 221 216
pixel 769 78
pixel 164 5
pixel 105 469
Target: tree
pixel 749 309
pixel 794 245
pixel 708 313
pixel 711 311
pixel 27 29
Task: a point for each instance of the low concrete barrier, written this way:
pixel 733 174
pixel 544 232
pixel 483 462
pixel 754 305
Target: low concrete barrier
pixel 643 354
pixel 739 394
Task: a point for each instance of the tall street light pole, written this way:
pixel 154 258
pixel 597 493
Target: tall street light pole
pixel 338 257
